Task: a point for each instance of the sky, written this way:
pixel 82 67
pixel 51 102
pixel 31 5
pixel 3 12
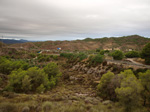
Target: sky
pixel 73 19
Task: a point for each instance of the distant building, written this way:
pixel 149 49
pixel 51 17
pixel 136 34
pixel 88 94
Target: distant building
pixel 59 48
pixel 110 49
pixel 129 49
pixel 116 48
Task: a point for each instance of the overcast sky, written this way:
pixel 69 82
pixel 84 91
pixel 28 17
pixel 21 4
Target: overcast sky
pixel 73 19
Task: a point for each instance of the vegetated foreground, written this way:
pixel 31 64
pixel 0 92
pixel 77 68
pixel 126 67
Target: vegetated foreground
pixel 74 82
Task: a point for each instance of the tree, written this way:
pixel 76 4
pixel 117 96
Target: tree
pixel 129 91
pixel 145 54
pixel 145 80
pixel 118 55
pixel 104 85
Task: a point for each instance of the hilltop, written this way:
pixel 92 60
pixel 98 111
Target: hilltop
pixel 125 43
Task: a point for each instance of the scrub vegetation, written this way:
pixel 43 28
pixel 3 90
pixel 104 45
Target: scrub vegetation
pixel 80 81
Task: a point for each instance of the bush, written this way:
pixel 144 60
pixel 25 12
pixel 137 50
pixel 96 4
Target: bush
pixel 7 66
pixel 128 94
pixel 74 56
pixel 117 55
pixel 52 70
pixel 66 55
pixel 95 59
pixel 42 58
pixel 104 85
pixel 145 80
pixel 34 79
pixel 121 87
pixel 132 54
pixel 32 55
pixel 145 54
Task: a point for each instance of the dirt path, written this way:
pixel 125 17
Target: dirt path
pixel 129 62
pixel 132 60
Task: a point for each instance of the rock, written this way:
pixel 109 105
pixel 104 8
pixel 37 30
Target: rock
pixel 73 78
pixel 106 102
pixel 90 71
pixel 25 109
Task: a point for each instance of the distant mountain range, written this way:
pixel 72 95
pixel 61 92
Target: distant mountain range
pixel 125 43
pixel 13 41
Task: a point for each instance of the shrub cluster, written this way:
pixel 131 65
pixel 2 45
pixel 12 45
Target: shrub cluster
pixel 122 87
pixel 7 65
pixel 74 56
pixel 117 55
pixel 145 54
pixel 42 58
pixel 34 79
pixel 96 59
pixel 132 54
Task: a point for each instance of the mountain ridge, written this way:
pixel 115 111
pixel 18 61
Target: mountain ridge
pixel 134 42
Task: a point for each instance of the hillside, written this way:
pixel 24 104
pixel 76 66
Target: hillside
pixel 125 43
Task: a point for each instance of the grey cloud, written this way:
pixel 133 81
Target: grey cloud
pixel 73 19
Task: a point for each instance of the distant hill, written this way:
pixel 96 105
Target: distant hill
pixel 2 45
pixel 12 41
pixel 125 43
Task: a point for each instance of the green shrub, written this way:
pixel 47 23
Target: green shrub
pixel 7 66
pixel 66 55
pixel 104 85
pixel 145 54
pixel 145 80
pixel 128 94
pixel 40 89
pixel 132 54
pixel 102 52
pixel 32 55
pixel 74 56
pixel 34 79
pixel 42 58
pixel 55 57
pixel 121 87
pixel 95 59
pixel 117 55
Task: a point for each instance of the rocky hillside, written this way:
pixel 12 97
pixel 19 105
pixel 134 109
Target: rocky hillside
pixel 125 43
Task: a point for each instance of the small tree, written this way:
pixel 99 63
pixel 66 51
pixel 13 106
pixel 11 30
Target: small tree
pixel 145 80
pixel 146 53
pixel 129 92
pixel 118 55
pixel 104 85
